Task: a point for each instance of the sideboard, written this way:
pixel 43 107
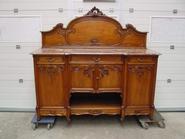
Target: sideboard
pixel 94 66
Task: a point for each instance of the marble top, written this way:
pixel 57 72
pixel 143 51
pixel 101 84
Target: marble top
pixel 94 51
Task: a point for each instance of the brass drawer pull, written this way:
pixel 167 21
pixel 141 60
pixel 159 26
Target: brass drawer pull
pixel 96 59
pixel 51 59
pixel 140 59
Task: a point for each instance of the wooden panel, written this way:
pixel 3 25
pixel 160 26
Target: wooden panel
pixel 139 89
pixel 50 86
pixel 94 29
pixel 137 111
pixel 93 32
pixel 52 111
pixel 54 37
pixel 95 111
pixel 82 78
pixel 81 59
pixel 50 60
pixel 94 59
pixel 133 38
pixel 110 78
pixel 141 59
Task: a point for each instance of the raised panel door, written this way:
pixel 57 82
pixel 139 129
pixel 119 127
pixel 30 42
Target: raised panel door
pixel 139 85
pixel 50 86
pixel 109 78
pixel 82 78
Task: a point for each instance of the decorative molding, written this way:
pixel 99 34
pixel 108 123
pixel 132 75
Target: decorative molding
pixel 139 69
pixel 87 70
pixel 51 69
pixel 104 70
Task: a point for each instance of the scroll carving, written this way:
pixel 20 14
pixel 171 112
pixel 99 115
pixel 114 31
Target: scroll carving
pixel 104 70
pixel 87 71
pixel 60 30
pixel 139 69
pixel 50 70
pixel 72 30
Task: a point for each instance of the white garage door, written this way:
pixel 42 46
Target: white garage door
pixel 168 37
pixel 19 36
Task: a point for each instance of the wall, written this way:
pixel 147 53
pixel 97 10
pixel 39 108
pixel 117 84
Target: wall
pixel 138 12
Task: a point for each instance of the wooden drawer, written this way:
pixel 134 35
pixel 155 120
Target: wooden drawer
pixel 93 59
pixel 50 60
pixel 95 111
pixel 52 112
pixel 141 59
pixel 137 111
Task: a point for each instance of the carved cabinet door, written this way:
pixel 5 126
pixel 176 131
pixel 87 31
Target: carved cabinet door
pixel 109 78
pixel 139 85
pixel 50 85
pixel 82 77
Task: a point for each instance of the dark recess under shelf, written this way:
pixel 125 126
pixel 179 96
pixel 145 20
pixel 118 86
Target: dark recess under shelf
pixel 84 100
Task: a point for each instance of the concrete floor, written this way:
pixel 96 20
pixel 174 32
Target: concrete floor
pixel 16 125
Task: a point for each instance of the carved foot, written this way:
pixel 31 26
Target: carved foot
pixel 122 120
pixel 68 121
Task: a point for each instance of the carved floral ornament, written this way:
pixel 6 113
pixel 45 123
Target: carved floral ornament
pixel 139 69
pixel 95 12
pixel 53 69
pixel 87 70
pixel 103 70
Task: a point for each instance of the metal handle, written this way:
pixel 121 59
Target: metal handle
pixel 96 59
pixel 51 59
pixel 140 59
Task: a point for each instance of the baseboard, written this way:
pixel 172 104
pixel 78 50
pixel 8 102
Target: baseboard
pixel 17 109
pixel 178 109
pixel 3 109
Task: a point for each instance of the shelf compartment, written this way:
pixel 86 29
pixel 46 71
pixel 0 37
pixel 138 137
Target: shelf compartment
pixel 95 104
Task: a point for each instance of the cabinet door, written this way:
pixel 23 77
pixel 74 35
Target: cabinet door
pixel 139 86
pixel 82 78
pixel 109 78
pixel 51 85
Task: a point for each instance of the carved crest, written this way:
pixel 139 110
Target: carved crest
pixel 95 12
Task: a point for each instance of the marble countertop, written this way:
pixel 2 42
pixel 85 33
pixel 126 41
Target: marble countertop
pixel 94 51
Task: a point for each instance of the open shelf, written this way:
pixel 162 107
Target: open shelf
pixel 88 103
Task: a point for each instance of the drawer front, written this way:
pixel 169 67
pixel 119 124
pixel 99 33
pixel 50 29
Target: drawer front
pixel 137 111
pixel 50 60
pixel 52 112
pixel 94 59
pixel 141 59
pixel 91 111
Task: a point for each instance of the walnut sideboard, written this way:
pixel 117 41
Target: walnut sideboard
pixel 94 66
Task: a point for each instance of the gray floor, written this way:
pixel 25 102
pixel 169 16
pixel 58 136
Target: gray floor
pixel 16 125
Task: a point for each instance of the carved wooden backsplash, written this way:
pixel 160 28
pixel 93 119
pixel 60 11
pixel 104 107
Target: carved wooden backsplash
pixel 94 29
